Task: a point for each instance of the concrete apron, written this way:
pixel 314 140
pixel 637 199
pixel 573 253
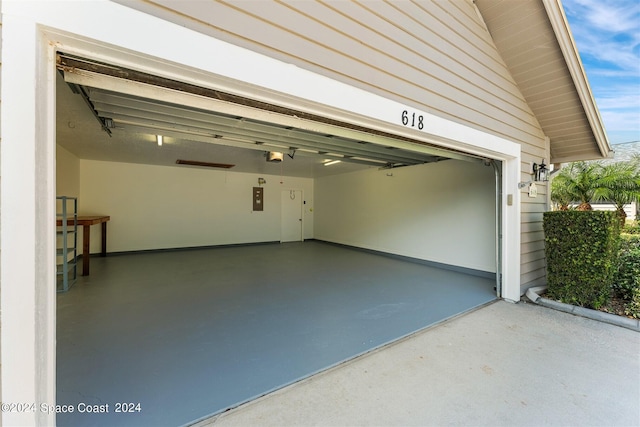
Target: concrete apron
pixel 503 364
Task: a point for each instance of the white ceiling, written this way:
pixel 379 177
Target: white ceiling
pixel 204 136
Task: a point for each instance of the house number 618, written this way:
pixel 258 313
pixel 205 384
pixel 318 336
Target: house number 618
pixel 412 120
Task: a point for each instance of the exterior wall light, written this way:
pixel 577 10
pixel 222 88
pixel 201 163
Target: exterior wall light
pixel 540 172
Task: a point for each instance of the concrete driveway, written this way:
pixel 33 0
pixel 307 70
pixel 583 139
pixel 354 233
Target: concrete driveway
pixel 503 364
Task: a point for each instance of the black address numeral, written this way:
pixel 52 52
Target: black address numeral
pixel 412 120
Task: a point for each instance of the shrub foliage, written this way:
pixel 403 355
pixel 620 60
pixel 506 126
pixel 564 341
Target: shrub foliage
pixel 581 248
pixel 626 282
pixel 632 228
pixel 632 307
pixel 627 276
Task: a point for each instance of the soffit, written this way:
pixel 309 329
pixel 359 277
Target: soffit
pixel 560 100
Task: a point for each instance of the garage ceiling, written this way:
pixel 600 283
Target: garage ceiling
pixel 109 118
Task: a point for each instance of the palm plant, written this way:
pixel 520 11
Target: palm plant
pixel 560 194
pixel 578 182
pixel 620 184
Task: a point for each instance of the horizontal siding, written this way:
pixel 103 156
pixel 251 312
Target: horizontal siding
pixel 534 256
pixel 534 236
pixel 532 263
pixel 537 206
pixel 531 153
pixel 534 266
pixel 531 227
pixel 531 217
pixel 536 247
pixel 434 56
pixel 533 278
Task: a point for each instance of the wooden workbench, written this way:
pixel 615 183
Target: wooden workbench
pixel 86 222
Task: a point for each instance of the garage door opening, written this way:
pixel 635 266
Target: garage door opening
pixel 161 324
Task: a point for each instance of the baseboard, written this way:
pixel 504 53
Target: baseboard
pixel 188 248
pixel 435 264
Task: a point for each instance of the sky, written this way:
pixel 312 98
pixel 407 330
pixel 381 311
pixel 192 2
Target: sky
pixel 607 34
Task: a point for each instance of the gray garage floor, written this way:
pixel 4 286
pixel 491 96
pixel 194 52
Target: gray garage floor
pixel 191 333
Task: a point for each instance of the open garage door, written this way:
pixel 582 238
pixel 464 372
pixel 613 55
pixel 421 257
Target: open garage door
pixel 434 209
pixel 128 101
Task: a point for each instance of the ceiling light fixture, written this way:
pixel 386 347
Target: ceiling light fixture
pixel 274 157
pixel 159 138
pixel 331 162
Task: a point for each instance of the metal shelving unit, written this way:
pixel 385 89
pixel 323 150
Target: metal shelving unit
pixel 66 242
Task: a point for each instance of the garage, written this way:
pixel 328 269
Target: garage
pixel 211 296
pixel 333 175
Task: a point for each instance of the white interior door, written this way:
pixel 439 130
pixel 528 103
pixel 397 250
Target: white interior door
pixel 291 216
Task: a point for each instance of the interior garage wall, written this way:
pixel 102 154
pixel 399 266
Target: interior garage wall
pixel 67 173
pixel 442 212
pixel 157 207
pixel 68 179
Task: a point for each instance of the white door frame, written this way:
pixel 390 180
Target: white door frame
pixel 301 214
pixel 32 33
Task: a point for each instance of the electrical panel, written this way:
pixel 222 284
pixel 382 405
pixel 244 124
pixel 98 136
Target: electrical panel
pixel 258 198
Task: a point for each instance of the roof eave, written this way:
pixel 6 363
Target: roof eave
pixel 570 53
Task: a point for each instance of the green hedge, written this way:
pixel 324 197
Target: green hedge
pixel 632 228
pixel 633 307
pixel 629 242
pixel 626 281
pixel 627 276
pixel 581 248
